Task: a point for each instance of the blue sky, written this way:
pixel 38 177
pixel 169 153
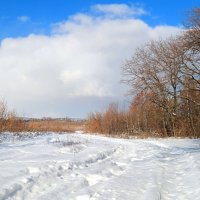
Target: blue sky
pixel 63 58
pixel 41 14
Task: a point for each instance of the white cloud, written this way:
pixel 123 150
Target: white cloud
pixel 118 9
pixel 76 69
pixel 23 18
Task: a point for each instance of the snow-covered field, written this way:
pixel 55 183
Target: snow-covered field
pixel 79 166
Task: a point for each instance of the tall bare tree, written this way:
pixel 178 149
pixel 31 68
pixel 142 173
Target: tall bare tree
pixel 156 68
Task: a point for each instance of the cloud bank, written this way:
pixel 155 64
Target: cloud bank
pixel 76 69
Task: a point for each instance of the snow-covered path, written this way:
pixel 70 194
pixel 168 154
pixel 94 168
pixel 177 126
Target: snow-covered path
pixel 78 166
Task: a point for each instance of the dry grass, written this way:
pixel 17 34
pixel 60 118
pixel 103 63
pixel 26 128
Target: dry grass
pixel 54 125
pixel 41 125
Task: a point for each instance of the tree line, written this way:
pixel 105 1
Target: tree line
pixel 164 79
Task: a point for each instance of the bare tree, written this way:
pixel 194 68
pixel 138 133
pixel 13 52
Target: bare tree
pixel 190 40
pixel 156 69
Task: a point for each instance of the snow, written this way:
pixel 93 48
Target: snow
pixel 82 167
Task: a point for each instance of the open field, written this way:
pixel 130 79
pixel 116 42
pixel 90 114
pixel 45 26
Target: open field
pixel 41 125
pixel 55 125
pixel 79 166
